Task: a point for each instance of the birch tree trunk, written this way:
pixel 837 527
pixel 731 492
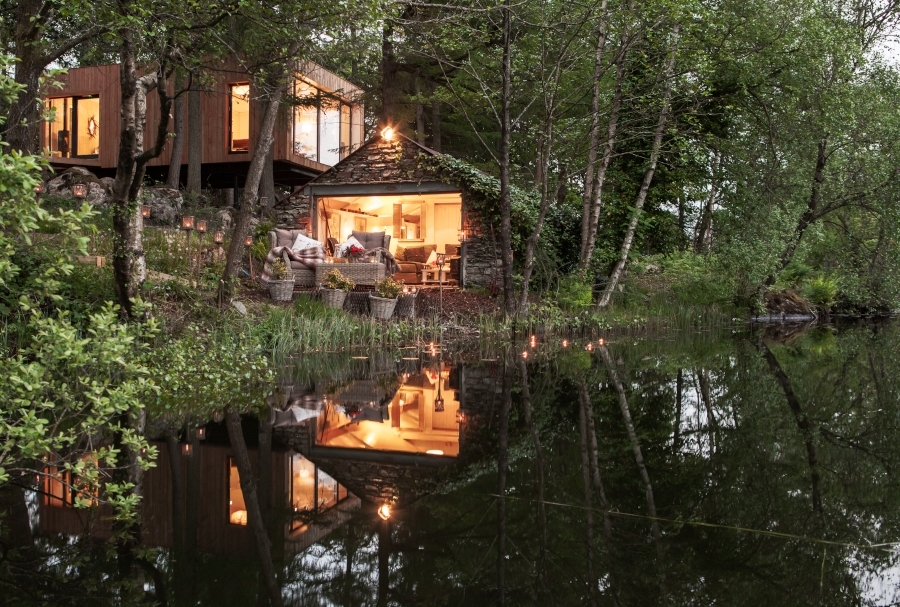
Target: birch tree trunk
pixel 595 125
pixel 129 264
pixel 509 296
pixel 648 176
pixel 531 242
pixel 701 237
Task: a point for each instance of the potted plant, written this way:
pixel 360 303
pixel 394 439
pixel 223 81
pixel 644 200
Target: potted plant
pixel 281 288
pixel 384 300
pixel 355 253
pixel 334 289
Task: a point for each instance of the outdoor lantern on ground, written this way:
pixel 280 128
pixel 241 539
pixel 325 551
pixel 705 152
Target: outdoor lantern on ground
pixel 79 190
pixel 145 211
pixel 201 226
pixel 219 237
pixel 248 242
pixel 39 189
pixel 187 222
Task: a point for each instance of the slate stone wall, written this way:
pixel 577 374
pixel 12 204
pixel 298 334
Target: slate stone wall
pixel 379 162
pixel 481 264
pixel 288 211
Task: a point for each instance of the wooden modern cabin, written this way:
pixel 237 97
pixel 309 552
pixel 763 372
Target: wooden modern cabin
pixel 309 137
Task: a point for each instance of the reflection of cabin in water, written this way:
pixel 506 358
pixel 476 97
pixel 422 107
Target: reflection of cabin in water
pixel 382 439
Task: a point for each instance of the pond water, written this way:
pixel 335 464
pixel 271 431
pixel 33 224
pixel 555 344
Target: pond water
pixel 756 467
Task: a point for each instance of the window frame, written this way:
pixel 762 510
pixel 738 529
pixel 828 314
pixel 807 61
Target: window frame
pixel 341 102
pixel 229 135
pixel 72 121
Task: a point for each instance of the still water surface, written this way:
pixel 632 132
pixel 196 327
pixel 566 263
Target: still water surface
pixel 751 468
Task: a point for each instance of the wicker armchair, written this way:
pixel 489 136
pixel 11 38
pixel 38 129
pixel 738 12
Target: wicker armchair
pixel 303 276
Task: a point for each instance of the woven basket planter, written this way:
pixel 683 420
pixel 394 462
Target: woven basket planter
pixel 334 298
pixel 381 307
pixel 281 290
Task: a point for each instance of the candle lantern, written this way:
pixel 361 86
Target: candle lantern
pixel 187 222
pixel 219 237
pixel 79 190
pixel 186 448
pixel 201 433
pixel 39 189
pixel 145 211
pixel 218 416
pixel 248 241
pixel 201 226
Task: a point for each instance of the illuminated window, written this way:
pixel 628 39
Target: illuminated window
pixel 323 126
pixel 239 117
pixel 306 121
pixel 330 132
pixel 74 128
pixel 312 490
pixel 237 511
pixel 62 488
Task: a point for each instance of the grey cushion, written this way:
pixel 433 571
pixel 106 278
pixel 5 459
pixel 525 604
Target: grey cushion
pixel 419 254
pixel 371 240
pixel 286 238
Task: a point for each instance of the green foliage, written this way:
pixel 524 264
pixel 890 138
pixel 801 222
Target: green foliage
pixel 279 269
pixel 336 280
pixel 821 291
pixel 389 288
pixel 574 294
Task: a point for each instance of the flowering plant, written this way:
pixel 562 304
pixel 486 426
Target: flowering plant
pixel 355 251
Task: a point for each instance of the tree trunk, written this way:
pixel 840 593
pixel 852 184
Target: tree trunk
pixel 420 112
pixel 436 125
pixel 539 471
pixel 588 506
pixel 173 180
pixel 251 186
pixel 24 117
pixel 638 454
pixel 267 185
pixel 800 418
pixel 195 141
pixel 509 296
pixel 178 527
pixel 648 176
pixel 502 469
pixel 594 131
pixel 254 513
pixel 531 243
pixel 599 179
pixel 809 215
pixel 701 238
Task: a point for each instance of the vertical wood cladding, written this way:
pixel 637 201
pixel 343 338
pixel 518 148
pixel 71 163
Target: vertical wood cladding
pixel 103 80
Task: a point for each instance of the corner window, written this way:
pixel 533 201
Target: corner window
pixel 312 490
pixel 63 489
pixel 323 126
pixel 239 117
pixel 74 128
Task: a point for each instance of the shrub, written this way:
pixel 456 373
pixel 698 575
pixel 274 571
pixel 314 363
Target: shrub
pixel 336 280
pixel 279 269
pixel 574 293
pixel 389 288
pixel 821 291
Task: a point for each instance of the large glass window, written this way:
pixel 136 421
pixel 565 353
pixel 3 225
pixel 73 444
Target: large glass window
pixel 330 132
pixel 323 126
pixel 311 489
pixel 237 510
pixel 74 130
pixel 239 118
pixel 306 120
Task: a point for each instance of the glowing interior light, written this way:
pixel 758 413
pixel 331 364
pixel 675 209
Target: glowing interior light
pixel 434 452
pixel 388 133
pixel 384 511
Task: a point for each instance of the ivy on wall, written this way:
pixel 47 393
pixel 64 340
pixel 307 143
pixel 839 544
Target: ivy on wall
pixel 482 196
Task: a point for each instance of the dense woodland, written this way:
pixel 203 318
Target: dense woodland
pixel 719 152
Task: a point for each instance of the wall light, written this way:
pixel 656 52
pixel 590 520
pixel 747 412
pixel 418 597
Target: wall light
pixel 384 512
pixel 387 133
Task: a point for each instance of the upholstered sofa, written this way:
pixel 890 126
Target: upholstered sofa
pixel 412 259
pixel 303 276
